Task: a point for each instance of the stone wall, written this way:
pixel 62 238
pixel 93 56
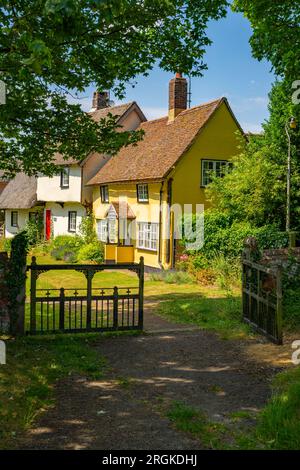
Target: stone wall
pixel 4 298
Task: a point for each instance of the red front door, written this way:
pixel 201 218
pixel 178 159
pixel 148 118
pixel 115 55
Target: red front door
pixel 48 224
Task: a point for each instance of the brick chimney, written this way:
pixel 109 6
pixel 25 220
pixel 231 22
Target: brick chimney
pixel 100 100
pixel 177 96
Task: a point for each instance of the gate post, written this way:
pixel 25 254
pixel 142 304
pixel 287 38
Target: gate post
pixel 115 308
pixel 33 280
pixel 89 277
pixel 62 309
pixel 141 293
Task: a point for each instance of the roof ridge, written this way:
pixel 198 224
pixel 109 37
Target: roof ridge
pixel 207 103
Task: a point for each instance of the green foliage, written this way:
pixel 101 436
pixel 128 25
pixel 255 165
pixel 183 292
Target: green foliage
pixel 227 271
pixel 255 189
pixel 276 33
pixel 91 252
pixel 78 248
pixel 34 229
pixel 223 235
pixel 49 47
pixel 87 229
pixel 7 244
pixel 17 276
pixel 66 247
pixel 279 426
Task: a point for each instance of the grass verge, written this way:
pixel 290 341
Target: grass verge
pixel 33 365
pixel 220 314
pixel 276 427
pixel 279 423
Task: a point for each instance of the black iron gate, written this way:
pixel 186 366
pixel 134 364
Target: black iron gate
pixel 88 309
pixel 262 299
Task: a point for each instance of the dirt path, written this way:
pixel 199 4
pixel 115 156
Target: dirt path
pixel 147 373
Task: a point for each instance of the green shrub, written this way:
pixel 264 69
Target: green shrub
pixel 34 229
pixel 224 236
pixel 67 241
pixel 7 244
pixel 91 252
pixel 227 271
pixel 66 247
pixel 87 229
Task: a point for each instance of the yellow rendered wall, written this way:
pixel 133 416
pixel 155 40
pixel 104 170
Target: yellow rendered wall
pixel 144 212
pixel 217 141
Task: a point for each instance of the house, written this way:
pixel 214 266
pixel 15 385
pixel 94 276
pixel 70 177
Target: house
pixel 3 183
pixel 63 198
pixel 171 166
pixel 18 200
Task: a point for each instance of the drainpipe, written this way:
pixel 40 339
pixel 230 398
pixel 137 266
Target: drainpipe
pixel 160 225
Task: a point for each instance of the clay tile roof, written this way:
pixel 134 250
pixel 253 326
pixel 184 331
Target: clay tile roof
pixel 20 193
pixel 122 209
pixel 114 110
pixel 162 146
pixel 119 110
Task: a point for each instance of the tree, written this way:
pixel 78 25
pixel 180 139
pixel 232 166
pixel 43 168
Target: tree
pixel 255 189
pixel 49 48
pixel 276 33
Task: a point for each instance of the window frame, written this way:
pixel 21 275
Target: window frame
pixel 102 223
pixel 12 224
pixel 214 161
pixel 148 236
pixel 142 200
pixel 63 173
pixel 104 193
pixel 70 229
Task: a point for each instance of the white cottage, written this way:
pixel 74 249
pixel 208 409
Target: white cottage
pixel 64 197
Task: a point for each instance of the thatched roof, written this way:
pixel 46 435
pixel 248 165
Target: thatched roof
pixel 20 193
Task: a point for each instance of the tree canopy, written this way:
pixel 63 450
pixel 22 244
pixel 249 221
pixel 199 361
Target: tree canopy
pixel 255 189
pixel 276 33
pixel 49 48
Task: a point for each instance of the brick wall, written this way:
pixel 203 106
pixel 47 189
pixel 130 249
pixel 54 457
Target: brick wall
pixel 4 301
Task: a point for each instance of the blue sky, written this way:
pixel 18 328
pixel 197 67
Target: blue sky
pixel 232 72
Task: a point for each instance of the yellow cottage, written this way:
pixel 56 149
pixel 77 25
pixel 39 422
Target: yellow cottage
pixel 170 167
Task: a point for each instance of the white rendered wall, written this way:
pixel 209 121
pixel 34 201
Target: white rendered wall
pixel 23 216
pixel 60 217
pixel 48 189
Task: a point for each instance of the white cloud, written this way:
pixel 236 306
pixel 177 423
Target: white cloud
pixel 251 127
pixel 154 112
pixel 250 104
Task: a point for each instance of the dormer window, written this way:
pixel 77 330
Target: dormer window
pixel 104 194
pixel 65 177
pixel 142 193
